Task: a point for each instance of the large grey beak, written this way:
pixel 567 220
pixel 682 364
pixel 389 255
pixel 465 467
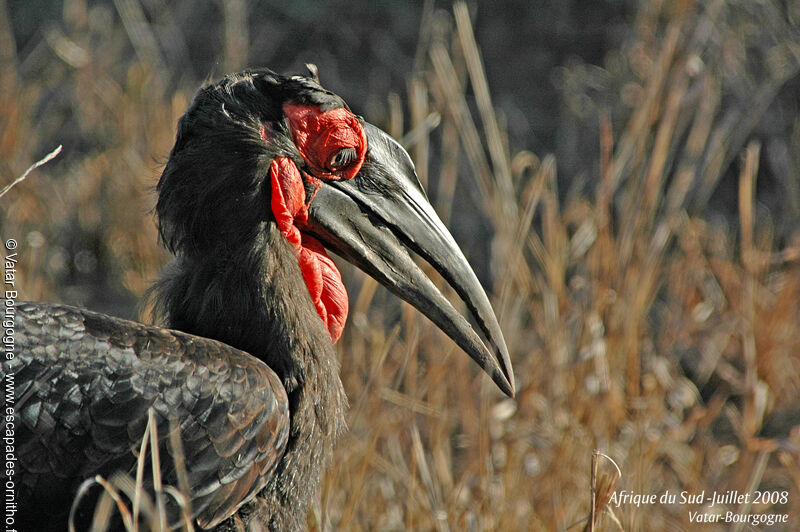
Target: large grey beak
pixel 374 218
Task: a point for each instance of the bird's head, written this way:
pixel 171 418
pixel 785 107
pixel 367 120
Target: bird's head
pixel 258 148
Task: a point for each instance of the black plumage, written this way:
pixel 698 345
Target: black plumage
pixel 244 364
pixel 83 400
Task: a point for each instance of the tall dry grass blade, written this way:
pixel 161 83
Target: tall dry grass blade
pixel 432 491
pixel 687 168
pixel 140 463
pixel 500 158
pixel 360 484
pixel 357 410
pixel 411 403
pixel 236 34
pixel 155 462
pixel 556 245
pixel 395 115
pixel 665 137
pixel 747 185
pixel 449 95
pixel 44 160
pixel 752 485
pixel 184 490
pixel 601 492
pixel 365 295
pixel 420 114
pixel 517 273
pixel 605 190
pixel 102 513
pixel 448 172
pixel 730 137
pixel 547 173
pixel 752 412
pixel 630 148
pixel 119 483
pixel 108 489
pixel 420 134
pixel 426 27
pixel 8 45
pixel 66 49
pixel 593 491
pixel 184 503
pixel 143 39
pixel 407 371
pixel 127 485
pixel 451 151
pixel 138 496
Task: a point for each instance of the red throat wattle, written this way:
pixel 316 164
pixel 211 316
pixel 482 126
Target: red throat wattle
pixel 318 136
pixel 322 278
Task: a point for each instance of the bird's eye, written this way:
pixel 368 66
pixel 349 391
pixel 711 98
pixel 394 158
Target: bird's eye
pixel 342 158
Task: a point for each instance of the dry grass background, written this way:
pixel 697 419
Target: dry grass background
pixel 652 309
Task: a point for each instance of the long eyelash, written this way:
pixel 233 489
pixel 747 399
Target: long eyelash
pixel 343 157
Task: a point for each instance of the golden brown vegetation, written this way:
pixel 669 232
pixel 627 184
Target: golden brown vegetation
pixel 639 325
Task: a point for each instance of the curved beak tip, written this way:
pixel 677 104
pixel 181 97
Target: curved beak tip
pixel 508 389
pixel 502 374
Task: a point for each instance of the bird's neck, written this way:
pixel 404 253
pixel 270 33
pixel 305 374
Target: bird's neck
pixel 255 299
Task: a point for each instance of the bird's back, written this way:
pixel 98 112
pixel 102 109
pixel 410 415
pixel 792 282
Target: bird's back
pixel 84 382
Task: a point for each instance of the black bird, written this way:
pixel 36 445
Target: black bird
pixel 266 172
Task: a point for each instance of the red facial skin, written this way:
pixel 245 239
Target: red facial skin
pixel 318 137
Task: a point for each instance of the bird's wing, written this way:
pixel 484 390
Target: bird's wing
pixel 85 381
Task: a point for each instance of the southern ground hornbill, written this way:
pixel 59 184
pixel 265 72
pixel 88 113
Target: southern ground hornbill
pixel 266 171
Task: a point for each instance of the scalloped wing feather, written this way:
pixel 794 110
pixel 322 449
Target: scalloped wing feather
pixel 85 382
